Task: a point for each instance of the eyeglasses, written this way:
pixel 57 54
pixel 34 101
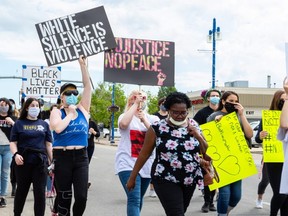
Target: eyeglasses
pixel 70 92
pixel 178 113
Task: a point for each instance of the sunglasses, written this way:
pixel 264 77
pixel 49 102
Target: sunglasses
pixel 70 92
pixel 178 113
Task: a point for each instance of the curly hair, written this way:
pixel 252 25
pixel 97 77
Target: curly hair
pixel 177 97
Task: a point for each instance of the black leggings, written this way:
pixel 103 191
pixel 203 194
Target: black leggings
pixel 264 180
pixel 71 168
pixel 174 198
pixel 278 201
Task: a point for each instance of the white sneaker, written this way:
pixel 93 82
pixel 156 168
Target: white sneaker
pixel 259 204
pixel 152 193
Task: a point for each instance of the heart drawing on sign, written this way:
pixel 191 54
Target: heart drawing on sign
pixel 230 165
pixel 213 153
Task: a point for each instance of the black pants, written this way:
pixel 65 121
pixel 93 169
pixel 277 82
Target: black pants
pixel 71 168
pixel 278 201
pixel 208 195
pixel 264 180
pixel 25 175
pixel 90 151
pixel 174 198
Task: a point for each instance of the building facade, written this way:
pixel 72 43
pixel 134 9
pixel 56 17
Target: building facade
pixel 254 100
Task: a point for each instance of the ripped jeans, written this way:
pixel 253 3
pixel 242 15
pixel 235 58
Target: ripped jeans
pixel 71 168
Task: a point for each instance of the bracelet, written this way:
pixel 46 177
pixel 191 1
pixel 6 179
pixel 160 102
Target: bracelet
pixel 15 154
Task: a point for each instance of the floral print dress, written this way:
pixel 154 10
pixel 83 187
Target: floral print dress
pixel 177 155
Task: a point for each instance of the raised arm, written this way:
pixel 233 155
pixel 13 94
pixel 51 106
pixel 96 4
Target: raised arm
pixel 284 113
pixel 85 101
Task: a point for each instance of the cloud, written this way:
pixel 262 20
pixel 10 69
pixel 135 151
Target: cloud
pixel 252 45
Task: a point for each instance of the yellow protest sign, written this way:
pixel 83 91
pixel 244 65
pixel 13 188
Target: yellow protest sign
pixel 272 147
pixel 229 150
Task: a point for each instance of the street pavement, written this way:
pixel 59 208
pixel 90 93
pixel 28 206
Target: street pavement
pixel 106 196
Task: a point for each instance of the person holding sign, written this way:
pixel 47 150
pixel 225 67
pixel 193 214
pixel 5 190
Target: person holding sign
pixel 70 132
pixel 283 136
pixel 213 97
pixel 133 124
pixel 271 171
pixel 176 169
pixel 230 195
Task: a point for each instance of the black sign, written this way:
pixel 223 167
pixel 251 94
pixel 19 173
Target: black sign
pixel 140 61
pixel 66 38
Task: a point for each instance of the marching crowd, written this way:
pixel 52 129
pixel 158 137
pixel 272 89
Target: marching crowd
pixel 162 151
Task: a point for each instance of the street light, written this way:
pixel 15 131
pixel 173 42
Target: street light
pixel 214 35
pixel 113 108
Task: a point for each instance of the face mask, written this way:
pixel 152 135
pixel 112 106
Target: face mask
pixel 162 107
pixel 12 107
pixel 71 100
pixel 33 112
pixel 230 107
pixel 177 123
pixel 280 104
pixel 214 100
pixel 4 109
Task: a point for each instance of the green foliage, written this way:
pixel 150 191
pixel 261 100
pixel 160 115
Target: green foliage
pixel 102 99
pixel 152 103
pixel 165 90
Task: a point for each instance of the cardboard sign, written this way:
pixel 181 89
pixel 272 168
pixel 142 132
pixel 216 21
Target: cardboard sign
pixel 228 149
pixel 272 147
pixel 140 61
pixel 66 38
pixel 40 81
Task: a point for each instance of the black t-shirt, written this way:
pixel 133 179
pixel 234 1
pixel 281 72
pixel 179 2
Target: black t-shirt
pixel 202 115
pixel 160 116
pixel 5 127
pixel 93 125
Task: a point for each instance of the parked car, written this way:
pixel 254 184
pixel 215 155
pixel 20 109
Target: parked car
pixel 116 133
pixel 255 125
pixel 106 132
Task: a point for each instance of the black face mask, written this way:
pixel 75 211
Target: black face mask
pixel 280 104
pixel 230 107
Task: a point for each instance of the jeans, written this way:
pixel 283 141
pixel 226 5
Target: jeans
pixel 25 175
pixel 71 168
pixel 229 195
pixel 175 198
pixel 5 161
pixel 134 197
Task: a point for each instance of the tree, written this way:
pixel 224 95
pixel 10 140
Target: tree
pixel 152 103
pixel 165 90
pixel 102 99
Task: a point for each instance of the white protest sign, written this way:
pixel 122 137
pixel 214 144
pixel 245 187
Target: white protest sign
pixel 41 81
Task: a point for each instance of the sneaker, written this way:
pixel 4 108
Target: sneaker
pixel 152 193
pixel 212 207
pixel 3 202
pixel 205 208
pixel 259 204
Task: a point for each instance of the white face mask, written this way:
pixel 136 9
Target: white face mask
pixel 177 123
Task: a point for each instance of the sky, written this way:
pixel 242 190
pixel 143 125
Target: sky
pixel 252 46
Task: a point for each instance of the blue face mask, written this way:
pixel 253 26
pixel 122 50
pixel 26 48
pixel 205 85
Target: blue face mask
pixel 71 100
pixel 214 100
pixel 162 107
